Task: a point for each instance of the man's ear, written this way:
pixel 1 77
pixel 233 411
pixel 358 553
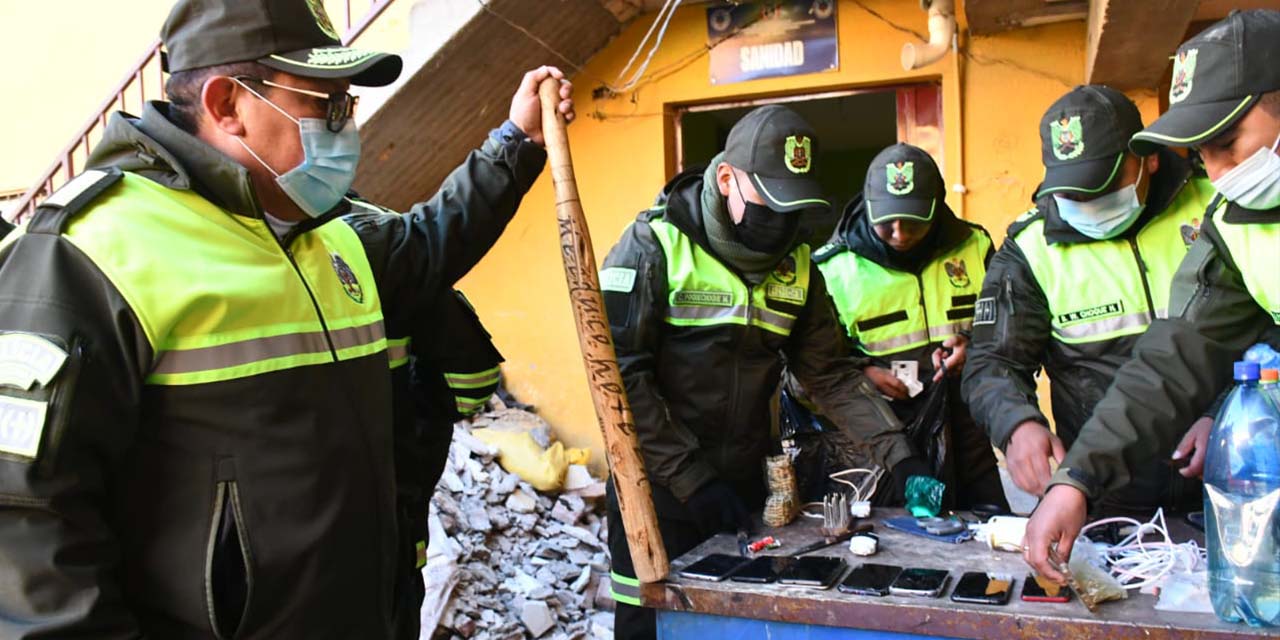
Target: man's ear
pixel 724 174
pixel 219 97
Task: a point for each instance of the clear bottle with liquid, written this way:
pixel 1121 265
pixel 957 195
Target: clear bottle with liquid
pixel 1242 504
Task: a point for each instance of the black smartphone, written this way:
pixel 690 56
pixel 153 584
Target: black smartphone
pixel 870 579
pixel 714 567
pixel 813 571
pixel 762 569
pixel 919 582
pixel 981 587
pixel 1037 589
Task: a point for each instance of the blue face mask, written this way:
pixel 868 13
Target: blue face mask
pixel 1104 217
pixel 1254 183
pixel 328 165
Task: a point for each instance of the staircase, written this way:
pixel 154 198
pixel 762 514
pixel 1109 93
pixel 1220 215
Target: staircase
pixel 145 81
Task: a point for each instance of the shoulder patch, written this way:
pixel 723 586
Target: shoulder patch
pixel 26 359
pixel 828 251
pixel 618 279
pixel 52 214
pixel 984 311
pixel 21 425
pixel 1023 221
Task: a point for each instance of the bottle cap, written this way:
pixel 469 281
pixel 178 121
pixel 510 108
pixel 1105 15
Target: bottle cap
pixel 1270 375
pixel 1247 371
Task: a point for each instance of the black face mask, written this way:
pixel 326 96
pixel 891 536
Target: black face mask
pixel 764 230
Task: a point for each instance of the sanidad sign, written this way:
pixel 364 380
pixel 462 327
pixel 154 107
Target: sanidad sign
pixel 770 38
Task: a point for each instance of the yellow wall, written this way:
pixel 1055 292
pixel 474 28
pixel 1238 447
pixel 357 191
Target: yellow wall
pixel 620 145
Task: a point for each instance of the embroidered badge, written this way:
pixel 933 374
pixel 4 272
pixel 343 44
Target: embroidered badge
pixel 799 150
pixel 785 272
pixel 322 18
pixel 26 359
pixel 984 312
pixel 957 273
pixel 618 279
pixel 21 424
pixel 1092 313
pixel 1067 137
pixel 900 177
pixel 784 293
pixel 1190 231
pixel 348 279
pixel 1184 71
pixel 703 298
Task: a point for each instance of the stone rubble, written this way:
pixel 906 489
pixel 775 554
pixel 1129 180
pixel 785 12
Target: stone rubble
pixel 530 565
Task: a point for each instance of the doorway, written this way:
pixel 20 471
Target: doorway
pixel 851 127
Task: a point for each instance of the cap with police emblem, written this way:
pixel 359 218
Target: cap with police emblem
pixel 293 36
pixel 1217 77
pixel 775 147
pixel 1083 138
pixel 903 183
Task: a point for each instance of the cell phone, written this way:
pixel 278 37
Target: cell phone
pixel 763 569
pixel 927 583
pixel 981 587
pixel 714 567
pixel 813 571
pixel 1037 589
pixel 870 579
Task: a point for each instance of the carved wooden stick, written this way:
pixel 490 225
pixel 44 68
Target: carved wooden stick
pixel 648 556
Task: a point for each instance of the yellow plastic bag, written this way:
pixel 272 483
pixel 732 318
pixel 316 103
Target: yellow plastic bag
pixel 518 453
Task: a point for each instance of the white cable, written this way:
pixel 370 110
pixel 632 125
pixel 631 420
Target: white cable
pixel 643 41
pixel 635 78
pixel 1139 563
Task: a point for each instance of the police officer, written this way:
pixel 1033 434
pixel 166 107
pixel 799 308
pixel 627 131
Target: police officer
pixel 196 433
pixel 445 372
pixel 1077 281
pixel 904 274
pixel 706 293
pixel 1225 102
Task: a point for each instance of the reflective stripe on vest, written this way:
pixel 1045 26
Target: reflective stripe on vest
pixel 702 291
pixel 1255 249
pixel 881 308
pixel 471 391
pixel 398 352
pixel 623 589
pixel 1097 291
pixel 216 295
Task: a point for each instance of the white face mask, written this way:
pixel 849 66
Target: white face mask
pixel 1254 183
pixel 1106 216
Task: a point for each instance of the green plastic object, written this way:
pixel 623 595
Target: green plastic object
pixel 924 496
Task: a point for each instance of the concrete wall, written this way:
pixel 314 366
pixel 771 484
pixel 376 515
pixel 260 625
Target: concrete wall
pixel 993 98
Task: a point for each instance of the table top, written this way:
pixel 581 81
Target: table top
pixel 1134 617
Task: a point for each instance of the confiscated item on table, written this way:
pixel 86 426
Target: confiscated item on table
pixel 926 583
pixel 835 515
pixel 813 571
pixel 784 500
pixel 908 524
pixel 762 570
pixel 1087 575
pixel 980 587
pixel 924 496
pixel 767 542
pixel 1002 533
pixel 864 544
pixel 870 579
pixel 1039 589
pixel 714 567
pixel 830 540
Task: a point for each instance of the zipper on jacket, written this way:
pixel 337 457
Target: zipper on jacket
pixel 315 304
pixel 923 309
pixel 1142 273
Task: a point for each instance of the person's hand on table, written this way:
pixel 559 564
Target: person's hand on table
pixel 1056 522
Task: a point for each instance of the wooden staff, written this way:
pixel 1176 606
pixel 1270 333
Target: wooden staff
pixel 596 341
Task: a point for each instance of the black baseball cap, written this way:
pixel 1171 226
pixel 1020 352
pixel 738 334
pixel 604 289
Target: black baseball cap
pixel 775 147
pixel 293 36
pixel 1217 77
pixel 903 183
pixel 1083 138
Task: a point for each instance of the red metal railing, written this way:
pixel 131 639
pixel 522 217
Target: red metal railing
pixel 145 80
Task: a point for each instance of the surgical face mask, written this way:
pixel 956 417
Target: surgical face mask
pixel 1254 183
pixel 328 165
pixel 764 230
pixel 1104 217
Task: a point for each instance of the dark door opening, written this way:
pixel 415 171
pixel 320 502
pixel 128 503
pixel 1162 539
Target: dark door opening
pixel 851 127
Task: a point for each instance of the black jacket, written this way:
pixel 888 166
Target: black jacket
pixel 262 504
pixel 701 395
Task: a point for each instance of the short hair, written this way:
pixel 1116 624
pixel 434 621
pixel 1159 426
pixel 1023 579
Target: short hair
pixel 1270 102
pixel 183 89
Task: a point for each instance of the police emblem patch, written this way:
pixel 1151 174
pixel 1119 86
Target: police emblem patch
pixel 799 150
pixel 785 272
pixel 1067 137
pixel 1184 71
pixel 348 278
pixel 1190 231
pixel 26 359
pixel 900 177
pixel 957 273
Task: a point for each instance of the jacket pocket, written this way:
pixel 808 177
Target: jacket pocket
pixel 228 571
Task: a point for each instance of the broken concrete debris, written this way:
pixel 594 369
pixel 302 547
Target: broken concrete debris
pixel 527 564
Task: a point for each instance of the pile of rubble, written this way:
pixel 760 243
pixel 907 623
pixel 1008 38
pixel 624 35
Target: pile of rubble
pixel 507 562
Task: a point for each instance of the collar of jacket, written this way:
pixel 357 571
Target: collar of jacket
pixel 682 197
pixel 153 147
pixel 1174 173
pixel 855 233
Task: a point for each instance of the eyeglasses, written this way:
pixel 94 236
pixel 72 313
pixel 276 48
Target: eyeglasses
pixel 339 106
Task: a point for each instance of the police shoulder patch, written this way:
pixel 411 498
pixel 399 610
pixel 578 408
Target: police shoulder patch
pixel 984 311
pixel 26 360
pixel 617 279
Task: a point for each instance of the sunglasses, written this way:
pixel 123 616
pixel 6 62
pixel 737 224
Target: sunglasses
pixel 339 106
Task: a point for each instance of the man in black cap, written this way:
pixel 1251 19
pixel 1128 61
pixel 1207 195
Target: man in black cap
pixel 707 292
pixel 904 274
pixel 1225 103
pixel 195 404
pixel 1077 281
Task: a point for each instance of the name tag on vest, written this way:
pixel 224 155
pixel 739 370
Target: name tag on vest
pixel 1093 313
pixel 784 293
pixel 704 298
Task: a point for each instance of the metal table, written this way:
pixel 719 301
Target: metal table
pixel 699 609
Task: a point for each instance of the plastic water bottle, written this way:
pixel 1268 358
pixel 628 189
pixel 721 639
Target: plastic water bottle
pixel 1269 382
pixel 1242 504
